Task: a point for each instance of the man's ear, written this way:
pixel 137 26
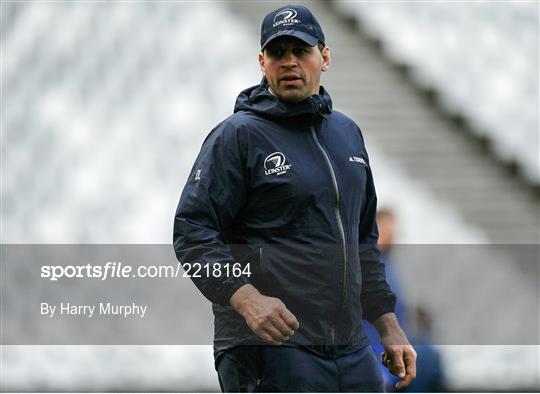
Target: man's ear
pixel 261 61
pixel 326 58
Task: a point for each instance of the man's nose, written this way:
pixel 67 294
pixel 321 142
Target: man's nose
pixel 289 59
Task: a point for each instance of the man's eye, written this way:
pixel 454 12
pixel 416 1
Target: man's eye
pixel 276 52
pixel 300 51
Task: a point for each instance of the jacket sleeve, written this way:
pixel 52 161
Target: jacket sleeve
pixel 210 202
pixel 376 297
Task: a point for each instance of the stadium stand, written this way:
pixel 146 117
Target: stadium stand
pixel 104 107
pixel 481 57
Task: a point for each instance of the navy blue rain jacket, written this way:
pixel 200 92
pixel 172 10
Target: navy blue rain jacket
pixel 286 188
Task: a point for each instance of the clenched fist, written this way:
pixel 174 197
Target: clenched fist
pixel 267 317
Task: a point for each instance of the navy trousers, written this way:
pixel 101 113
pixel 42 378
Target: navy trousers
pixel 293 369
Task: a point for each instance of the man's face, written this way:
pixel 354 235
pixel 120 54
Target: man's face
pixel 293 68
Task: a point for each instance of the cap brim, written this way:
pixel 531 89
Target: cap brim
pixel 308 39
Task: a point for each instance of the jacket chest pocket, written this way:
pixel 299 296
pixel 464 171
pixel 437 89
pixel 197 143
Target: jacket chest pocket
pixel 358 179
pixel 353 171
pixel 352 180
pixel 276 186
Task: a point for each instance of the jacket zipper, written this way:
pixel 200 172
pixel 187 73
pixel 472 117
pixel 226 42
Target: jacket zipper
pixel 342 231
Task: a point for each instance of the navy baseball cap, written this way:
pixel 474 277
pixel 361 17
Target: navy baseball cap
pixel 291 20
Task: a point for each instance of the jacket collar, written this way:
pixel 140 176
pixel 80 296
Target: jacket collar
pixel 258 99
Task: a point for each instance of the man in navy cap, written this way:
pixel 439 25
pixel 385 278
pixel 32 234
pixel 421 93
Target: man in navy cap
pixel 283 191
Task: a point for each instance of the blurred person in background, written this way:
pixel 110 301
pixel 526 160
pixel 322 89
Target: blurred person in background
pixel 429 375
pixel 289 177
pixel 387 226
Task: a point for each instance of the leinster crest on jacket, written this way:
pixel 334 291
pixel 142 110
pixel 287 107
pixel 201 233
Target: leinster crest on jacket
pixel 275 163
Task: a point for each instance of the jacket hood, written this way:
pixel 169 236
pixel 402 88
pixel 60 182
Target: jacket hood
pixel 258 99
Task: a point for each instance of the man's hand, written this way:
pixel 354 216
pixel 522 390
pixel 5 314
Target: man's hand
pixel 267 317
pixel 399 356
